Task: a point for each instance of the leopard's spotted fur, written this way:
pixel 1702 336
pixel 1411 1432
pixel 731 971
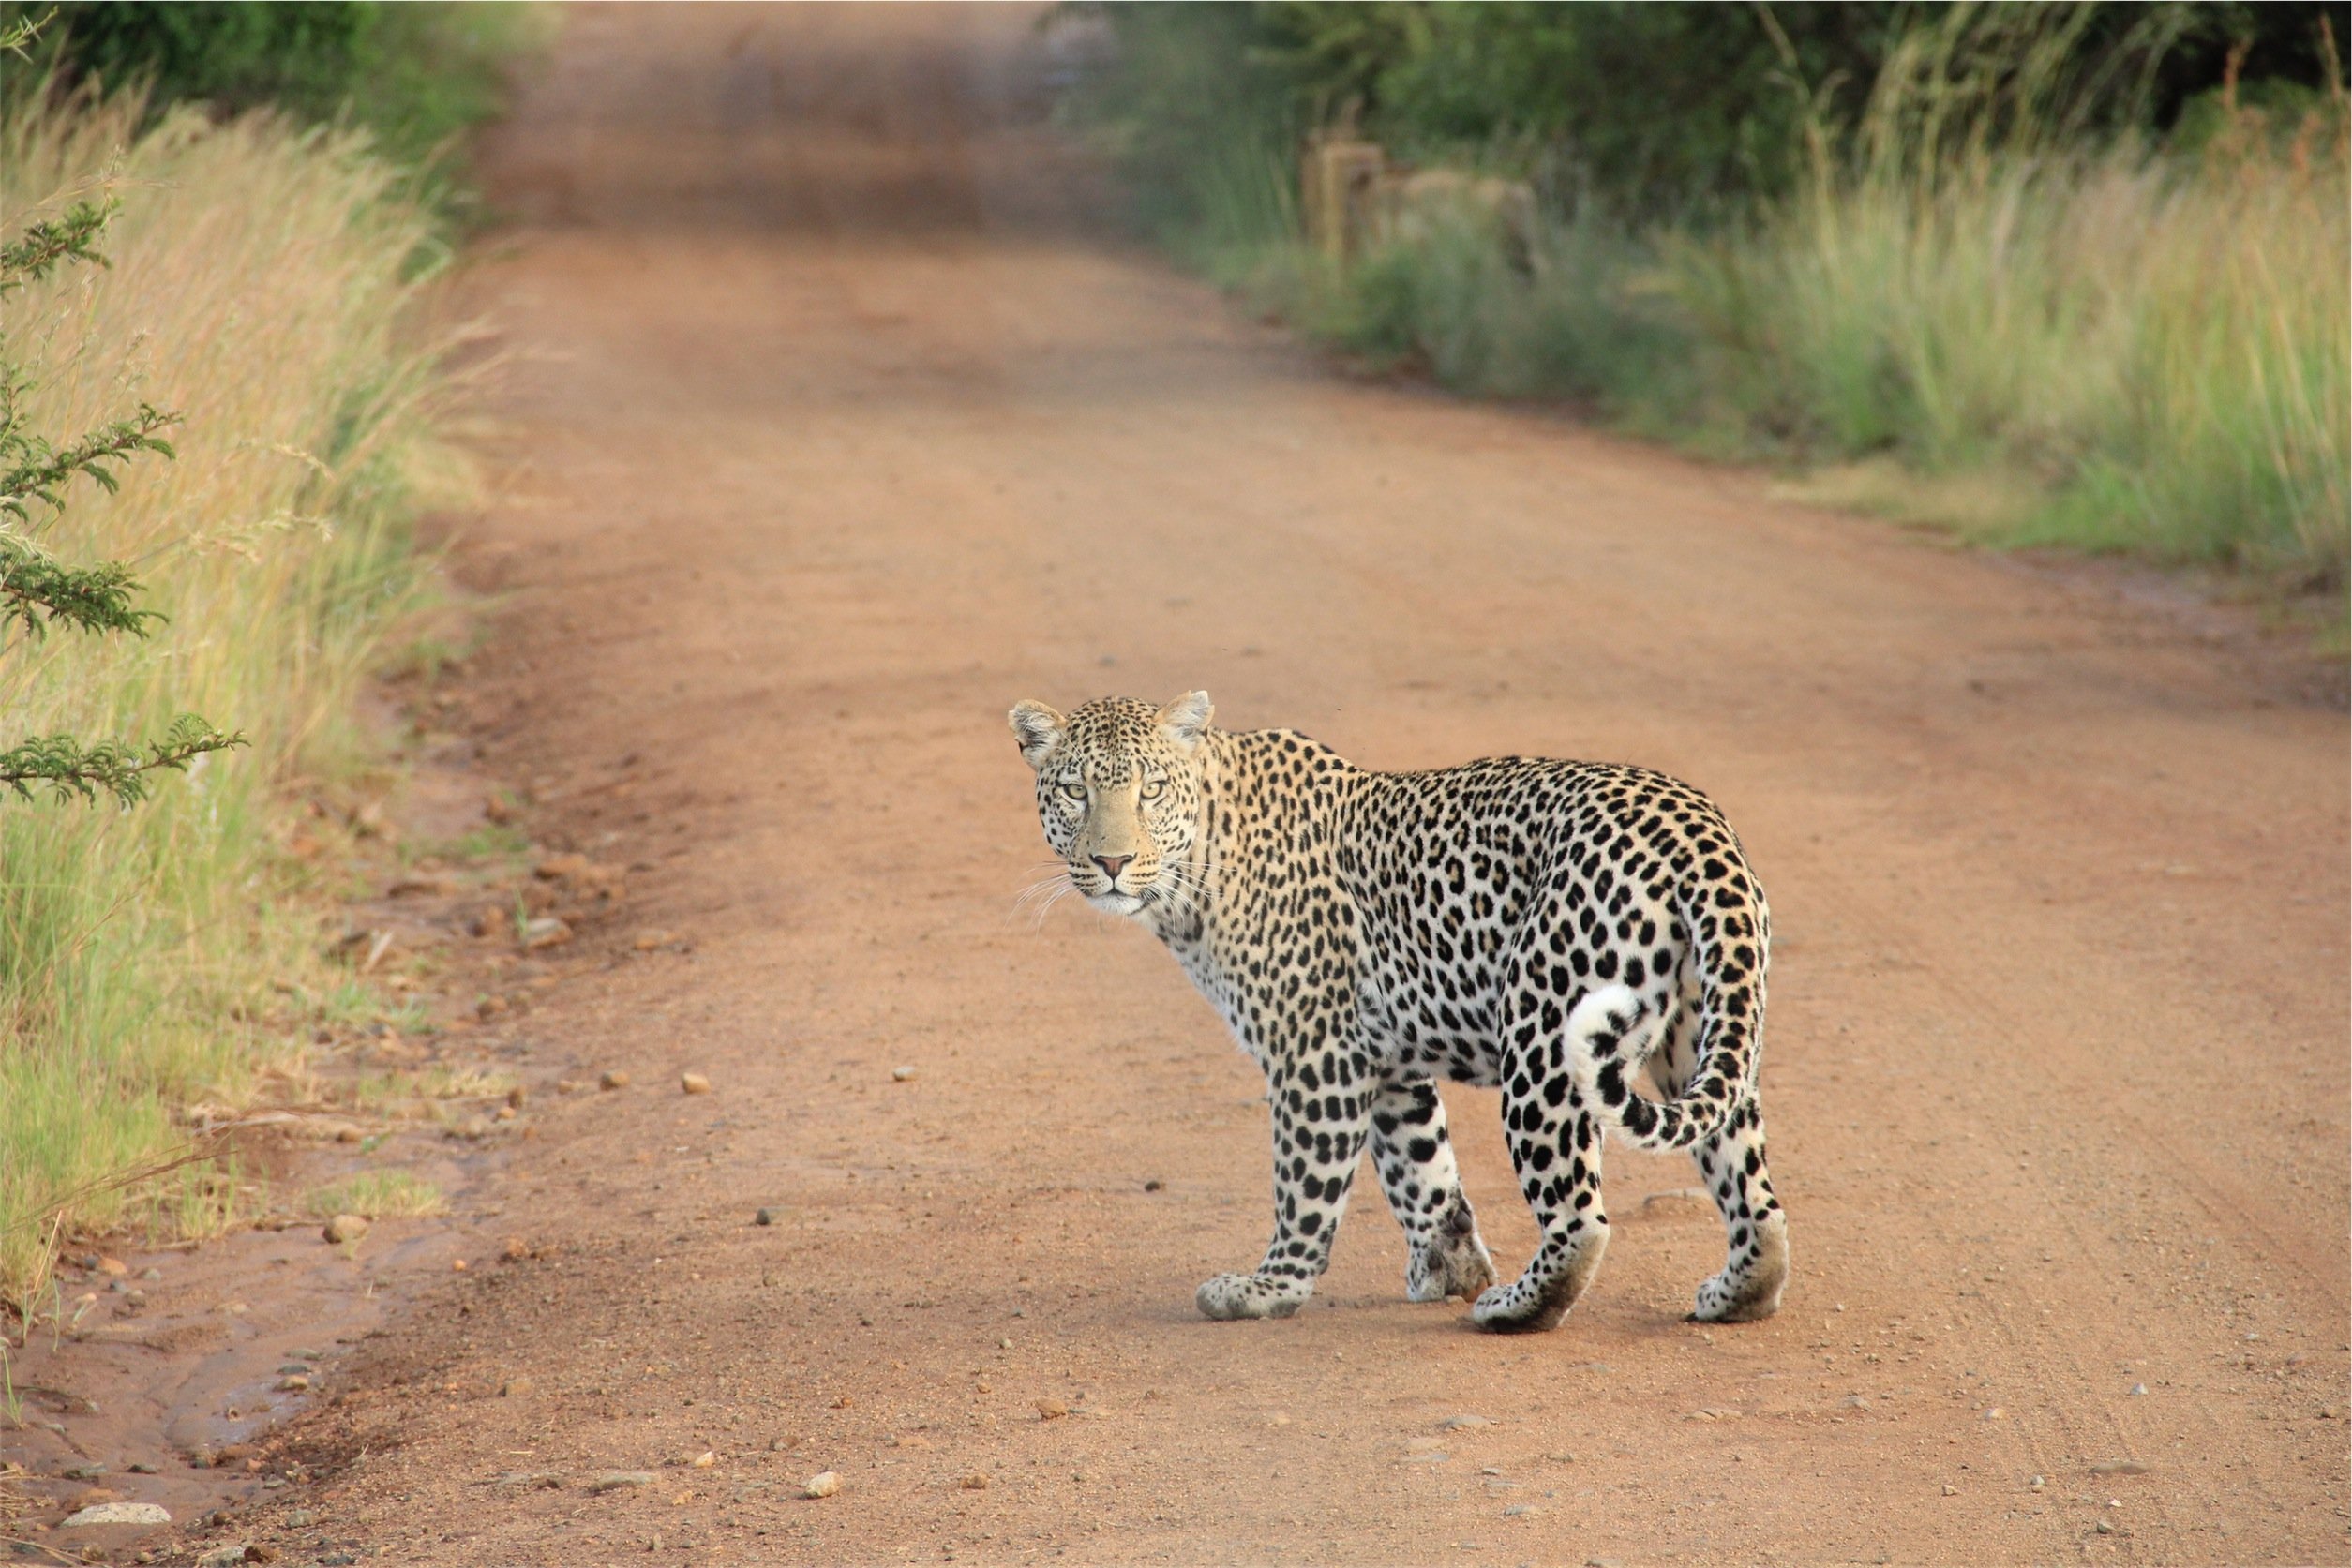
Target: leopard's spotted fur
pixel 1557 928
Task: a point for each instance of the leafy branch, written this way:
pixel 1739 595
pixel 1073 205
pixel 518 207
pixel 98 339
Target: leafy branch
pixel 88 598
pixel 38 469
pixel 14 37
pixel 119 769
pixel 29 257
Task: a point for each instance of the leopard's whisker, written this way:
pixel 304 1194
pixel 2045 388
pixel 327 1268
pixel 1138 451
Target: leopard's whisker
pixel 1032 889
pixel 1050 899
pixel 1043 894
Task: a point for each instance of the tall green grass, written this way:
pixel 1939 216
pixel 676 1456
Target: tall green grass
pixel 259 281
pixel 1969 313
pixel 2149 351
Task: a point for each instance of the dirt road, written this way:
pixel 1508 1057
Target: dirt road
pixel 836 428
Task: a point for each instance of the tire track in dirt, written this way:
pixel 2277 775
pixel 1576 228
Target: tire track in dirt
pixel 837 427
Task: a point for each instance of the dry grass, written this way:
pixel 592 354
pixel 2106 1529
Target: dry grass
pixel 258 283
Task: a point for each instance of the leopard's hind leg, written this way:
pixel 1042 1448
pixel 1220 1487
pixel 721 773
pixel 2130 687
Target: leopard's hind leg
pixel 1755 1232
pixel 1732 1164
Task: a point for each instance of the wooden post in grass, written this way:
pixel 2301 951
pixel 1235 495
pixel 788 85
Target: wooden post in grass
pixel 1340 178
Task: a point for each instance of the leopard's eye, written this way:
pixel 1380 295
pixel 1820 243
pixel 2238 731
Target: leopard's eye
pixel 1154 788
pixel 1074 791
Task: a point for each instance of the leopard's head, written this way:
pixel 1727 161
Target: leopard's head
pixel 1118 790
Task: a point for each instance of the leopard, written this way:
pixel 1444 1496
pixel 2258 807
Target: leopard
pixel 1575 933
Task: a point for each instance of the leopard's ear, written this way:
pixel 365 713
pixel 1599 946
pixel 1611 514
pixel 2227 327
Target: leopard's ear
pixel 1038 730
pixel 1185 720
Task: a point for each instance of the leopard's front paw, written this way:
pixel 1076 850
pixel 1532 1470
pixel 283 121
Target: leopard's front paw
pixel 1251 1295
pixel 1451 1265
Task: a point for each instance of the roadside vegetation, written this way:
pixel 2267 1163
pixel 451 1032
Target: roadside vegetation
pixel 2063 275
pixel 414 77
pixel 162 967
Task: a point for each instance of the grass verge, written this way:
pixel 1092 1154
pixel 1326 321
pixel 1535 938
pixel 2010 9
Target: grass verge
pixel 155 958
pixel 2033 338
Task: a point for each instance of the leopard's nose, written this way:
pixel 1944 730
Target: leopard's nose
pixel 1113 864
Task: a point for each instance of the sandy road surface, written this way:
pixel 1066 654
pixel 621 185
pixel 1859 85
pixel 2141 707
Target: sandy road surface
pixel 835 433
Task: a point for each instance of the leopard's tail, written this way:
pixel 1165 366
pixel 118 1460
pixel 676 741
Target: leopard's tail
pixel 1611 1033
